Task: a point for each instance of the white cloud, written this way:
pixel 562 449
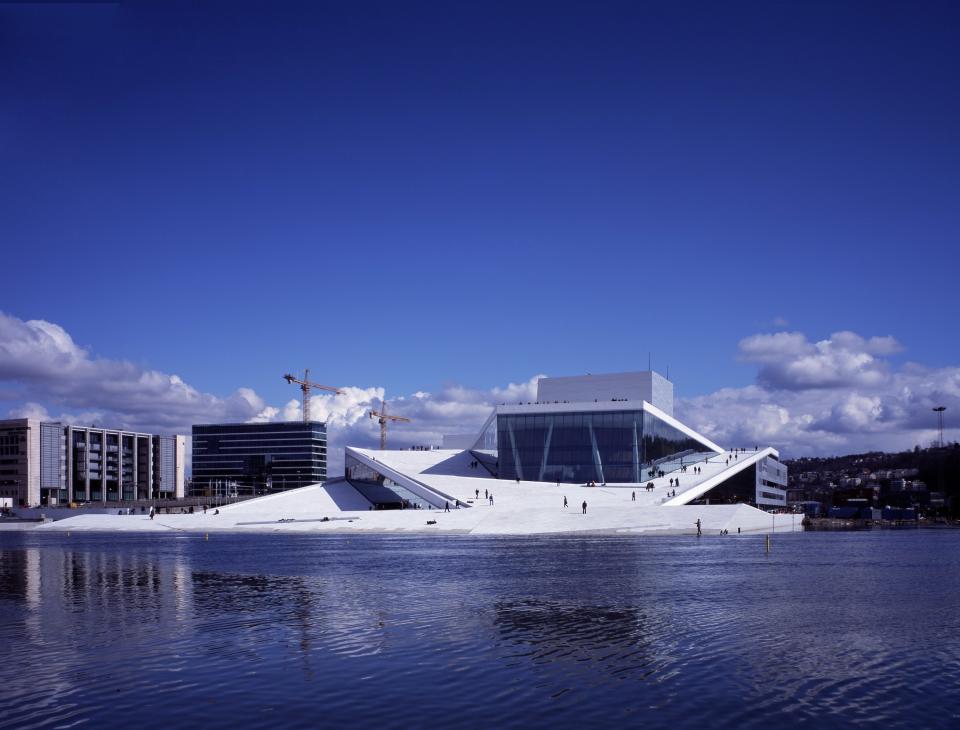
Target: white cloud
pixel 524 392
pixel 838 395
pixel 51 377
pixel 788 360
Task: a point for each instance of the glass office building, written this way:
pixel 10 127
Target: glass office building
pixel 258 458
pixel 617 445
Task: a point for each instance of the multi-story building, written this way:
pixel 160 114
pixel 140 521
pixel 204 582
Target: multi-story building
pixel 256 458
pixel 43 463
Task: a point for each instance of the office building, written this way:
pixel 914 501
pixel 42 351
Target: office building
pixel 44 463
pixel 257 458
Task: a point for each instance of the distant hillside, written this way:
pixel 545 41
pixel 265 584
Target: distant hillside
pixel 939 468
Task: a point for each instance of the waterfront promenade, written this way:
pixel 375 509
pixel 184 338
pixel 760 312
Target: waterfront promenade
pixel 518 508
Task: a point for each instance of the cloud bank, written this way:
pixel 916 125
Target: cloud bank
pixel 834 396
pixel 45 374
pixel 838 395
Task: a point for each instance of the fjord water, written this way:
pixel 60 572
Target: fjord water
pixel 251 631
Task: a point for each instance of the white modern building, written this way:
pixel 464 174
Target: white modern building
pixel 611 431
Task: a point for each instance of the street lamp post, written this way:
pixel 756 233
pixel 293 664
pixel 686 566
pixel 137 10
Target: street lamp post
pixel 939 411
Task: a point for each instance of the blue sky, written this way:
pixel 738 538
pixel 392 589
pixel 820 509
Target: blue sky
pixel 416 196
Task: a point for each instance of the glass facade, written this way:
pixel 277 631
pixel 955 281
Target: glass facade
pixel 579 447
pixel 741 488
pixel 14 454
pixel 485 447
pixel 381 491
pixel 164 465
pixel 127 482
pixel 116 466
pixel 53 464
pixel 256 458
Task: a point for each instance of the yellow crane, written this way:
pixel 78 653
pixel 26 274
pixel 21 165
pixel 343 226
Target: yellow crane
pixel 383 417
pixel 306 386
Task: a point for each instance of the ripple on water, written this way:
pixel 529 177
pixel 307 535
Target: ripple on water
pixel 267 631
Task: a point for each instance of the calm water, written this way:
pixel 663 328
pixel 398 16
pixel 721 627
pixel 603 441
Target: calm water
pixel 267 631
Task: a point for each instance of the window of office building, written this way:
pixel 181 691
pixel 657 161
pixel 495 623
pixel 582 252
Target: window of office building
pixel 258 458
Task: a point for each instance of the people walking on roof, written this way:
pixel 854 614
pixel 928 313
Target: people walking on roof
pixel 633 496
pixel 584 505
pixel 564 501
pixel 698 527
pixel 446 506
pixel 491 499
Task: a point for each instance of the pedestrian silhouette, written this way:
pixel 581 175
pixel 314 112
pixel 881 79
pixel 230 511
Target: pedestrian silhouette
pixel 584 505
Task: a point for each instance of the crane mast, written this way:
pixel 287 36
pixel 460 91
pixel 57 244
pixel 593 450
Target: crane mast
pixel 383 418
pixel 306 386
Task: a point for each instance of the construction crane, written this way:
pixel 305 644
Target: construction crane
pixel 383 417
pixel 306 386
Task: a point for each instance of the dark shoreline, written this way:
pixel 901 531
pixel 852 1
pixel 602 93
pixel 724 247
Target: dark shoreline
pixel 834 524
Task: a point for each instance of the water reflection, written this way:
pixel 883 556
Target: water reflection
pixel 555 629
pixel 258 631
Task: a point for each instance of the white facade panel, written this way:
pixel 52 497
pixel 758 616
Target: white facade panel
pixel 180 450
pixel 662 393
pixel 771 483
pixel 644 385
